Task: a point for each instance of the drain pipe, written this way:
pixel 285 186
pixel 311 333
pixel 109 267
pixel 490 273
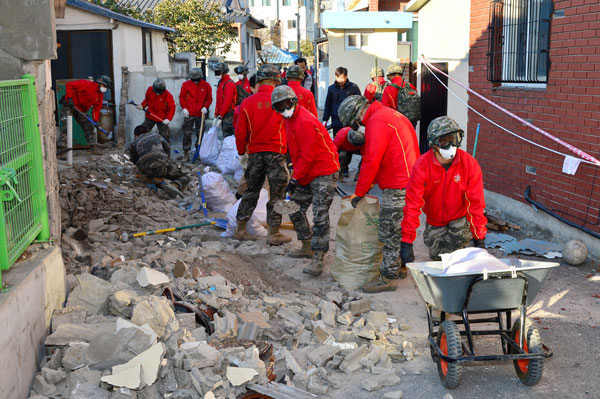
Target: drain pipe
pixel 537 205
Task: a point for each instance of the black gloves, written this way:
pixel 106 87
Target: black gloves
pixel 479 243
pixel 406 253
pixel 291 187
pixel 355 201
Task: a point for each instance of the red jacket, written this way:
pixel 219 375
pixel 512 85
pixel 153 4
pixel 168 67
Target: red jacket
pixel 305 97
pixel 259 128
pixel 195 96
pixel 390 93
pixel 85 94
pixel 161 105
pixel 391 149
pixel 311 148
pixel 341 141
pixel 245 85
pixel 371 88
pixel 226 96
pixel 444 195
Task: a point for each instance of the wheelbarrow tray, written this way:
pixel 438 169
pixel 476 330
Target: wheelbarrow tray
pixel 448 292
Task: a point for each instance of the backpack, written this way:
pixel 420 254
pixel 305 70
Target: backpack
pixel 241 94
pixel 379 91
pixel 409 102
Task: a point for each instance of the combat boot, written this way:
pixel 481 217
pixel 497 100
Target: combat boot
pixel 185 157
pixel 275 237
pixel 241 233
pixel 380 284
pixel 316 264
pixel 305 251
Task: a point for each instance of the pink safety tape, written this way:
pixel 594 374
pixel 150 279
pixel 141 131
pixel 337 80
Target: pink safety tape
pixel 572 148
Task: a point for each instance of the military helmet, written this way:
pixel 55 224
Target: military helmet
pixel 282 93
pixel 240 69
pixel 350 109
pixel 295 72
pixel 442 126
pixel 376 71
pixel 196 74
pixel 105 81
pixel 222 68
pixel 356 137
pixel 395 70
pixel 159 86
pixel 268 72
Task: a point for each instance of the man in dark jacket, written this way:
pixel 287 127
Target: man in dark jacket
pixel 337 93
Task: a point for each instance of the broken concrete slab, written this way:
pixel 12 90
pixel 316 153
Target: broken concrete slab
pixel 210 281
pixel 74 356
pixel 87 391
pixel 322 354
pixel 225 327
pixel 68 315
pixel 393 395
pixel 91 293
pixel 147 276
pixel 345 319
pixel 317 385
pixel 81 332
pixel 328 313
pixel 240 375
pixel 180 269
pixel 95 224
pixel 199 355
pixel 248 331
pixel 254 317
pixel 53 376
pixel 290 315
pixel 186 320
pixel 42 387
pixel 360 306
pixel 377 382
pixel 351 361
pixel 120 301
pixel 157 313
pixel 377 319
pixel 334 296
pixel 142 368
pixel 291 363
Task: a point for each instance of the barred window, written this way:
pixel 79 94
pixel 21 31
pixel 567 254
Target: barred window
pixel 519 33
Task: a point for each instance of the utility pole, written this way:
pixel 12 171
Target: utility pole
pixel 299 52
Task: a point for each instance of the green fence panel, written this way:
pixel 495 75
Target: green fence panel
pixel 23 207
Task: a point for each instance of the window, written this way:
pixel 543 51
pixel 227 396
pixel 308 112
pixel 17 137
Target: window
pixel 518 46
pixel 291 24
pixel 356 41
pixel 292 45
pixel 287 2
pixel 146 47
pixel 266 3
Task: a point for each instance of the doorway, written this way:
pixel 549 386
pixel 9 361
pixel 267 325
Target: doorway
pixel 434 100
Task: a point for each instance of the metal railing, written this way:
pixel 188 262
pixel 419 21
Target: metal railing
pixel 23 207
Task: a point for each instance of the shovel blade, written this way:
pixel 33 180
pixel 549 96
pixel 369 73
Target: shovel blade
pixel 286 207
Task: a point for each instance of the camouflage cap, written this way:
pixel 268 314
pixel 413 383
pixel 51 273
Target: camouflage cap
pixel 376 71
pixel 241 69
pixel 295 72
pixel 222 67
pixel 159 85
pixel 350 109
pixel 196 74
pixel 282 93
pixel 105 81
pixel 356 137
pixel 442 126
pixel 395 70
pixel 268 72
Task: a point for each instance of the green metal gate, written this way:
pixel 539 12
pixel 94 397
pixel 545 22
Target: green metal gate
pixel 23 208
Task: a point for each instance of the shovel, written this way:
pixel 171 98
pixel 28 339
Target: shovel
pixel 146 111
pixel 199 140
pixel 286 206
pixel 125 236
pixel 96 124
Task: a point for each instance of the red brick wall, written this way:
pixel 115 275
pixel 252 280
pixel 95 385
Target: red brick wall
pixel 387 5
pixel 568 108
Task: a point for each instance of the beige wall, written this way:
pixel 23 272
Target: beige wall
pixel 440 41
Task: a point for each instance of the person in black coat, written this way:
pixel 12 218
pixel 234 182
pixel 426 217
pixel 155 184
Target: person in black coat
pixel 337 93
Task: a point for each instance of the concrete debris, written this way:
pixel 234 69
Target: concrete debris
pixel 328 312
pixel 68 315
pixel 91 293
pixel 240 375
pixel 345 318
pixel 351 361
pixel 141 369
pixel 53 376
pixel 180 269
pixel 78 332
pixel 147 276
pixel 322 354
pixel 42 387
pixel 393 395
pixel 74 356
pixel 377 382
pixel 157 313
pixel 254 317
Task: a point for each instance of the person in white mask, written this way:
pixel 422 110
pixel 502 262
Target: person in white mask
pixel 447 184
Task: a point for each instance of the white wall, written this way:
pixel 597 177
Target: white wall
pixel 286 13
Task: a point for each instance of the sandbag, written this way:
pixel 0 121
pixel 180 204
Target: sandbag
pixel 259 217
pixel 209 149
pixel 358 250
pixel 229 160
pixel 219 197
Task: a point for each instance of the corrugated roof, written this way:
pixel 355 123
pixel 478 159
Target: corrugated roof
pixel 95 9
pixel 141 5
pixel 275 55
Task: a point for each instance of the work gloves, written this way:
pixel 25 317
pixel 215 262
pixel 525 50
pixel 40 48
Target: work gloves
pixel 217 122
pixel 166 122
pixel 204 110
pixel 479 243
pixel 186 113
pixel 140 107
pixel 406 253
pixel 289 189
pixel 244 160
pixel 355 200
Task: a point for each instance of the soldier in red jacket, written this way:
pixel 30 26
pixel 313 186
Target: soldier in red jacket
pixel 260 134
pixel 195 97
pixel 160 108
pixel 226 100
pixel 82 95
pixel 447 184
pixel 295 75
pixel 390 94
pixel 242 74
pixel 391 149
pixel 348 143
pixel 374 90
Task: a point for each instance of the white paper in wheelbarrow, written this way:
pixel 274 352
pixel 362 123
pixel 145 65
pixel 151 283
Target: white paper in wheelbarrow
pixel 209 148
pixel 469 260
pixel 219 197
pixel 259 217
pixel 358 250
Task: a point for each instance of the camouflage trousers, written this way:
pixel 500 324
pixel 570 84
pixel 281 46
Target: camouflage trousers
pixel 86 126
pixel 390 217
pixel 162 128
pixel 191 127
pixel 445 239
pixel 319 193
pixel 227 124
pixel 162 168
pixel 261 165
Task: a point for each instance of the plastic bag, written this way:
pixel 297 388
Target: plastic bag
pixel 259 216
pixel 358 250
pixel 209 149
pixel 469 260
pixel 229 160
pixel 219 197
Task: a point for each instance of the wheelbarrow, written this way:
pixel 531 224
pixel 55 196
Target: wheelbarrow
pixel 473 293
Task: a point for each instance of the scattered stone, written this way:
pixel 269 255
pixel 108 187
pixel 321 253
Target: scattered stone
pixel 254 317
pixel 226 326
pixel 360 306
pixel 74 356
pixel 95 224
pixel 120 302
pixel 196 273
pixel 247 331
pixel 142 368
pixel 320 331
pixel 210 281
pixel 291 363
pixel 345 318
pixel 393 395
pixel 377 319
pixel 328 311
pixel 377 382
pixel 53 376
pixel 157 313
pixel 42 387
pixel 447 396
pixel 68 315
pixel 147 276
pixel 366 333
pixel 290 316
pixel 87 391
pixel 335 296
pixel 322 354
pixel 199 355
pixel 240 375
pixel 180 268
pixel 317 385
pixel 186 320
pixel 351 361
pixel 91 293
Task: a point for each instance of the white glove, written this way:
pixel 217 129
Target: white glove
pixel 186 113
pixel 204 110
pixel 325 123
pixel 166 122
pixel 244 161
pixel 139 106
pixel 216 122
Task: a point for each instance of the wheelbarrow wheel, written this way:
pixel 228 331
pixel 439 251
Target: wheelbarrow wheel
pixel 449 341
pixel 528 371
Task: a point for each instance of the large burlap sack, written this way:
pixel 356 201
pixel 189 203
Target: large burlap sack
pixel 358 250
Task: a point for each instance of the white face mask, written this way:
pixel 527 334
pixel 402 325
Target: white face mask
pixel 241 77
pixel 287 114
pixel 103 89
pixel 361 129
pixel 449 153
